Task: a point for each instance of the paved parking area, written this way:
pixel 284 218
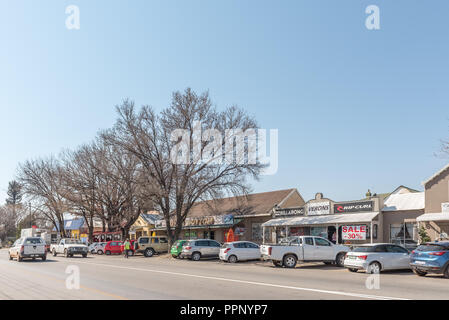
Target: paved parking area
pixel 162 277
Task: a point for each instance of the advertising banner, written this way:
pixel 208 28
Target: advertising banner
pixel 318 208
pixel 365 206
pixel 353 232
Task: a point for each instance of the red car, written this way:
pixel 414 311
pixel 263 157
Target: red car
pixel 132 246
pixel 113 247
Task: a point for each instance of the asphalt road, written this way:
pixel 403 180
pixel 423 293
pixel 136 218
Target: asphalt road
pixel 161 277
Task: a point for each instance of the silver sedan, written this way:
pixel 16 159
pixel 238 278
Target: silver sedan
pixel 374 258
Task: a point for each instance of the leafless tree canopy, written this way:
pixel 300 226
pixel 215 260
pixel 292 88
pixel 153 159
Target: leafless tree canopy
pixel 177 187
pixel 129 168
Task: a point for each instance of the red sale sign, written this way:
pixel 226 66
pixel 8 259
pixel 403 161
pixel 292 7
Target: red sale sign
pixel 353 232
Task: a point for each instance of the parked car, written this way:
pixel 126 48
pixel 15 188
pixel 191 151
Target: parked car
pixel 113 247
pixel 176 248
pixel 132 247
pixel 304 249
pixel 202 248
pixel 151 245
pixel 374 258
pixel 99 249
pixel 239 251
pixel 96 246
pixel 69 248
pixel 432 257
pixel 28 247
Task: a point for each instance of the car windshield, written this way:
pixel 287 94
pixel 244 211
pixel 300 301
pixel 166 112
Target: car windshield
pixel 431 247
pixel 33 241
pixel 364 249
pixel 73 241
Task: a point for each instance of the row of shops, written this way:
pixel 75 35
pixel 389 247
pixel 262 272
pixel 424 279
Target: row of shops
pixel 394 217
pixel 399 216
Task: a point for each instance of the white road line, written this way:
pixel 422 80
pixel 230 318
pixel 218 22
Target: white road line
pixel 340 293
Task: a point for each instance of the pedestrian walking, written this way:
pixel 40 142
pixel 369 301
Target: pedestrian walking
pixel 127 246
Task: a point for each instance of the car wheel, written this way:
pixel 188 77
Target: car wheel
pixel 100 252
pixel 66 253
pixel 277 263
pixel 446 272
pixel 196 256
pixel 85 255
pixel 340 261
pixel 352 270
pixel 290 261
pixel 149 252
pixel 44 258
pixel 54 253
pixel 419 273
pixel 373 268
pixel 108 253
pixel 327 263
pixel 232 259
pixel 9 256
pixel 19 258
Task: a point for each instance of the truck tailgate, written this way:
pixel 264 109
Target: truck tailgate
pixel 34 249
pixel 265 250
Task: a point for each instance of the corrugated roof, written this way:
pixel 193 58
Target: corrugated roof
pixel 364 217
pixel 150 218
pixel 405 201
pixel 257 203
pixel 442 216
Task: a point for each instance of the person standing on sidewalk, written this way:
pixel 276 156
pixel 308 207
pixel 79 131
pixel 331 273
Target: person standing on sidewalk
pixel 127 246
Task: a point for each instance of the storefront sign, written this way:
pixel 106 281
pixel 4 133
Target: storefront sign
pixel 354 207
pixel 353 232
pixel 445 207
pixel 201 221
pixel 318 208
pixel 290 212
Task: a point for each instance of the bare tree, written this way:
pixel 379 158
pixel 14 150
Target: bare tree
pixel 177 186
pixel 42 182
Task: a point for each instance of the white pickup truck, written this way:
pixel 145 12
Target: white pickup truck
pixel 304 249
pixel 69 247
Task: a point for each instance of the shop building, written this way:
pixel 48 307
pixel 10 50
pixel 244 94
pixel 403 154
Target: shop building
pixel 354 222
pixel 400 212
pixel 244 215
pixel 435 219
pixel 144 225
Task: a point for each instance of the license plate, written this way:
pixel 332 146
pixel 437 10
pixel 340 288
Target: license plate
pixel 420 262
pixel 351 257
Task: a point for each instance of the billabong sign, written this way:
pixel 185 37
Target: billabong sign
pixel 290 212
pixel 354 207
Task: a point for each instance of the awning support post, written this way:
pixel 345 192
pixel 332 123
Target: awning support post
pixel 336 234
pixel 263 235
pixel 371 231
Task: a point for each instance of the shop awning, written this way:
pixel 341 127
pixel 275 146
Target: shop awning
pixel 364 217
pixel 441 216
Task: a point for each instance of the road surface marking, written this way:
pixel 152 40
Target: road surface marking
pixel 340 293
pixel 44 276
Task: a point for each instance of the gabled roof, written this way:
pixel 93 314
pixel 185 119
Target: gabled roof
pixel 252 204
pixel 405 201
pixel 150 218
pixel 436 175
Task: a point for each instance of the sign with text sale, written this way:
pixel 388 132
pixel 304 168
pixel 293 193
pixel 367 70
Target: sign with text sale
pixel 353 232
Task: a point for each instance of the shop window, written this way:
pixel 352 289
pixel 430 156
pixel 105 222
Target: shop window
pixel 368 231
pixel 403 234
pixel 257 232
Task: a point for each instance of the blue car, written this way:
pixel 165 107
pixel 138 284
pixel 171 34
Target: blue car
pixel 432 257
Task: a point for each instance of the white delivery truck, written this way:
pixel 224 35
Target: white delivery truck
pixel 304 249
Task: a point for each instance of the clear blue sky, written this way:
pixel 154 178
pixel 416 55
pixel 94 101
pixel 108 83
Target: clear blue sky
pixel 355 109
